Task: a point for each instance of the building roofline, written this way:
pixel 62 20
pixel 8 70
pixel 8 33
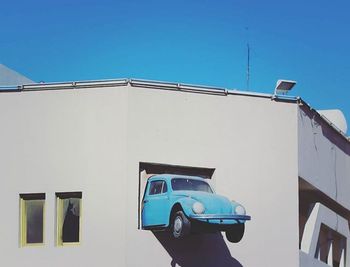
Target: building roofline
pixel 191 88
pixel 201 89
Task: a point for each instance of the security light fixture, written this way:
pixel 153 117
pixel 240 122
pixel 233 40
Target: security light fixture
pixel 284 86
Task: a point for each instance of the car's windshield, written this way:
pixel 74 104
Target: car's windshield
pixel 190 184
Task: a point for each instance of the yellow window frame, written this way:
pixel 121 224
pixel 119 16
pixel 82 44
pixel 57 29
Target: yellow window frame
pixel 23 221
pixel 60 220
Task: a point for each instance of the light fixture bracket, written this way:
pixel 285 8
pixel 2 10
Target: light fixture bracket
pixel 284 86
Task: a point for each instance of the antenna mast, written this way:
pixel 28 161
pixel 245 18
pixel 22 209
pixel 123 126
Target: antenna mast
pixel 248 59
pixel 248 65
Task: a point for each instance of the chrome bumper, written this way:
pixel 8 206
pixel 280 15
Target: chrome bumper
pixel 222 217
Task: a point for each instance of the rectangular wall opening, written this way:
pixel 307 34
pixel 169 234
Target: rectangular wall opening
pixel 68 224
pixel 32 207
pixel 147 169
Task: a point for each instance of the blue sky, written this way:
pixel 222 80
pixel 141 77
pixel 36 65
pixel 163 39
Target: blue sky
pixel 189 41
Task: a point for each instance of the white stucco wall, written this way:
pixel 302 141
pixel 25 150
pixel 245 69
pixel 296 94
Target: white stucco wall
pixel 65 141
pixel 92 140
pixel 252 143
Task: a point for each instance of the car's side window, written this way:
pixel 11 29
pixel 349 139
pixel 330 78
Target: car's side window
pixel 156 187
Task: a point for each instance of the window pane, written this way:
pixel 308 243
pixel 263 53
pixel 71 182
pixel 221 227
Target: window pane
pixel 32 219
pixel 156 187
pixel 190 184
pixel 68 217
pixel 35 221
pixel 70 227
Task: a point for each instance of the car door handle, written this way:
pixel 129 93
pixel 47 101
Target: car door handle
pixel 145 201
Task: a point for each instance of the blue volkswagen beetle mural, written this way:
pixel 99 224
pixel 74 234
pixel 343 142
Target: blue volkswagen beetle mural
pixel 185 204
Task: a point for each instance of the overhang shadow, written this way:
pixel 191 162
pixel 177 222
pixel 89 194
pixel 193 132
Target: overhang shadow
pixel 197 250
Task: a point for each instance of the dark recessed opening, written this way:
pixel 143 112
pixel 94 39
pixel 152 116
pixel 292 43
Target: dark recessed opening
pixel 157 168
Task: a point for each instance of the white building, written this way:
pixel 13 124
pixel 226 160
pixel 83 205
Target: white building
pixel 93 142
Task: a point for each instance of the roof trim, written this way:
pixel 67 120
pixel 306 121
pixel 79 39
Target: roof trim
pixel 190 88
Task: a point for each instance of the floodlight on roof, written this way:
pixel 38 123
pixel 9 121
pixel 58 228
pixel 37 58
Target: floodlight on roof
pixel 284 86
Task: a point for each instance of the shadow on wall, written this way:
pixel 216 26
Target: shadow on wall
pixel 201 250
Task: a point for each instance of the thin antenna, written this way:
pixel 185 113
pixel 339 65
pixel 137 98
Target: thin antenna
pixel 248 59
pixel 248 66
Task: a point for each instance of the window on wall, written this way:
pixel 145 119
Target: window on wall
pixel 68 218
pixel 32 219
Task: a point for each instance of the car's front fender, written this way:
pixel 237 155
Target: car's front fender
pixel 186 205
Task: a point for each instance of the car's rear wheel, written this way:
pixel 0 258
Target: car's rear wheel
pixel 235 233
pixel 180 226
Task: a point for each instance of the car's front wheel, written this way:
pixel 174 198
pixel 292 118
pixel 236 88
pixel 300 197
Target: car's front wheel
pixel 235 233
pixel 180 226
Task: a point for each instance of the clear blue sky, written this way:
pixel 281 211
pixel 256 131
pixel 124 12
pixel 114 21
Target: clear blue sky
pixel 189 41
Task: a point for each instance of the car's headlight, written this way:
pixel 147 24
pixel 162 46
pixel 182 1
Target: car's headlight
pixel 198 208
pixel 240 210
